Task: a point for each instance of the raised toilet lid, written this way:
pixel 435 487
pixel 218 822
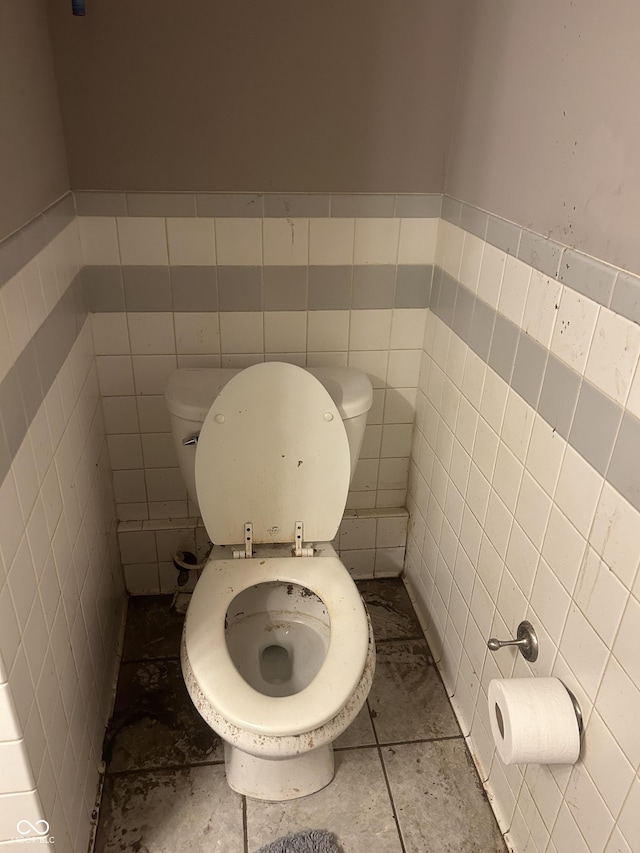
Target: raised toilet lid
pixel 273 451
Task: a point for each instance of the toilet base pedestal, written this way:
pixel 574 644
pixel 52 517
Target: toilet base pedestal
pixel 278 780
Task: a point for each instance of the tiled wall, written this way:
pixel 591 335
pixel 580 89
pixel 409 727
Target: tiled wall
pixel 228 280
pixel 525 503
pixel 523 482
pixel 61 593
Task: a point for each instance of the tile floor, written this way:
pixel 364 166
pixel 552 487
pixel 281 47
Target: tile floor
pixel 404 781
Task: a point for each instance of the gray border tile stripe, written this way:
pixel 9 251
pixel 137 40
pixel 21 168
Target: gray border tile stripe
pixel 601 282
pixel 587 276
pixel 626 296
pixel 251 288
pixel 28 381
pixel 588 419
pixel 363 205
pixel 269 205
pixel 23 245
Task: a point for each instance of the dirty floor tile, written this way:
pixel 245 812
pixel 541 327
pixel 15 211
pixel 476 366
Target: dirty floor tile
pixel 408 700
pixel 153 630
pixel 167 811
pixel 359 813
pixel 155 723
pixel 440 804
pixel 390 608
pixel 359 733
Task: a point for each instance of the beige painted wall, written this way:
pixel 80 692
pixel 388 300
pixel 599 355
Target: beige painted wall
pixel 33 165
pixel 285 95
pixel 547 123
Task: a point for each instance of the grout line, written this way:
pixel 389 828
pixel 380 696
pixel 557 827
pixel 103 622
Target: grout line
pixel 380 744
pixel 162 768
pixel 245 834
pixel 151 660
pixel 412 638
pixel 393 805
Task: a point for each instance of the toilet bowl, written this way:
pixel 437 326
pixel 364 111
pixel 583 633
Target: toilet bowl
pixel 277 651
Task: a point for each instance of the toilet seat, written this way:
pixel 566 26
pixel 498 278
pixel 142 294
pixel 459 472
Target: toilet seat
pixel 209 658
pixel 273 451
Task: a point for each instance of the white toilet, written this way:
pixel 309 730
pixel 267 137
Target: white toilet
pixel 277 651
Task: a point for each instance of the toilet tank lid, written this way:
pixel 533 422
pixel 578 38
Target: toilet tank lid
pixel 191 390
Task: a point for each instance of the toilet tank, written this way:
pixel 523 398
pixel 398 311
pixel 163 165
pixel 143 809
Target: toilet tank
pixel 191 391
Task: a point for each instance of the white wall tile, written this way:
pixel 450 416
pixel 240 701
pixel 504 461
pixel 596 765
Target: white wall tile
pixel 159 451
pixel 625 647
pixel 120 414
pixel 191 241
pixel 33 295
pixel 630 815
pixel 578 491
pixel 153 414
pixel 403 368
pixel 563 548
pixel 129 486
pixel 618 703
pixel 239 242
pixel 10 729
pixel 15 310
pixel 633 399
pixel 550 600
pixel 471 261
pixel 286 241
pixel 115 375
pixel 376 241
pixel 151 332
pixel 11 520
pixel 584 651
pixel 285 331
pixel 331 241
pixel 165 484
pixel 370 329
pixel 541 307
pixel 545 455
pixel 491 273
pixel 26 804
pixel 613 355
pixel 407 328
pixel 110 333
pixel 449 247
pixel 150 372
pixel 515 287
pixel 6 354
pixel 606 763
pixel 241 332
pixel 327 331
pixel 99 240
pixel 125 451
pixel 417 241
pixel 197 332
pixel 574 328
pixel 600 596
pixel 142 578
pixel 142 240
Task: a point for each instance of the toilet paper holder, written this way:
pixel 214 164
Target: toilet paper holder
pixel 526 640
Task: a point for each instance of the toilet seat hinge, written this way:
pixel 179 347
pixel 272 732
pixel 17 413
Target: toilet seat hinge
pixel 248 543
pixel 299 550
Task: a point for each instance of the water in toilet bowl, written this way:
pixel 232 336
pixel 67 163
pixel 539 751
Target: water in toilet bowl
pixel 277 636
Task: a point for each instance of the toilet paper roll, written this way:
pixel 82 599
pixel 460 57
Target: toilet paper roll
pixel 533 721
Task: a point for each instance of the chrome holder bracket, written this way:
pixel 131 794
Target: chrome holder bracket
pixel 526 640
